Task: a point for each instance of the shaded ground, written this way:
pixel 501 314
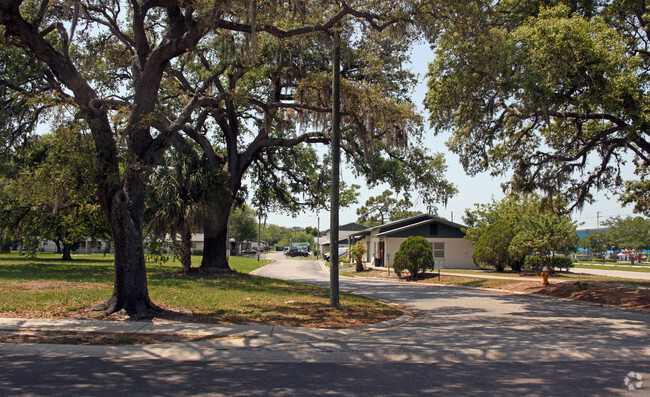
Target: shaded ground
pixel 589 292
pixel 98 338
pixel 608 294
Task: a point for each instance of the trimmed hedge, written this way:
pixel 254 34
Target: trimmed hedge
pixel 535 263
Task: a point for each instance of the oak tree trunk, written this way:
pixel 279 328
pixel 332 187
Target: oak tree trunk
pixel 186 246
pixel 130 292
pixel 67 250
pixel 215 243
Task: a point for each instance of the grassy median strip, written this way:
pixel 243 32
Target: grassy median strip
pixel 644 268
pixel 47 287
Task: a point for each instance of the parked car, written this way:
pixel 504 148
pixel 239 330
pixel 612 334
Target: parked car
pixel 297 252
pixel 342 253
pixel 249 251
pixel 285 251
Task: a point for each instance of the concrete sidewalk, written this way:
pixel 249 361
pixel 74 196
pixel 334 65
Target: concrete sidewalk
pixel 227 336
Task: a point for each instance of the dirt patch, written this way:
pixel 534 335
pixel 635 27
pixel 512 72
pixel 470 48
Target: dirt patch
pixel 42 284
pixel 638 298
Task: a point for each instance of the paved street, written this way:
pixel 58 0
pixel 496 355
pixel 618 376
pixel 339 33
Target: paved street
pixel 458 342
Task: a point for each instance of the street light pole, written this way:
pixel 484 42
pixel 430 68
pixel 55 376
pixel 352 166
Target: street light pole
pixel 336 158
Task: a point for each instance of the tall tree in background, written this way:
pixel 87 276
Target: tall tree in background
pixel 632 233
pixel 49 194
pixel 383 208
pixel 243 223
pixel 555 92
pixel 179 199
pixel 598 242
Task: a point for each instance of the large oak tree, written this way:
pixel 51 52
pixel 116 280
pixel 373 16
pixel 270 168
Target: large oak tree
pixel 144 74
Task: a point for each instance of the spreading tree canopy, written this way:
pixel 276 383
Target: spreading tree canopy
pixel 555 92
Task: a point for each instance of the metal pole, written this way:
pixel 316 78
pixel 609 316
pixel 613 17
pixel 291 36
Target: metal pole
pixel 336 158
pixel 259 234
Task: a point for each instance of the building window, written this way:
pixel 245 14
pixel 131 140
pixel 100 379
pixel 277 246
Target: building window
pixel 438 250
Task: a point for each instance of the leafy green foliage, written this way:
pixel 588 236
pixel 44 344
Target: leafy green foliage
pixel 274 233
pixel 357 252
pixel 297 235
pixel 492 248
pixel 632 233
pixel 47 193
pixel 243 225
pixel 554 92
pixel 182 192
pixel 414 255
pixel 506 231
pixel 545 235
pixel 536 263
pixel 597 242
pixel 383 208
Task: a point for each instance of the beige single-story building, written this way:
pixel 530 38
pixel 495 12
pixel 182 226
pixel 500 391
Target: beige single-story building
pixel 450 248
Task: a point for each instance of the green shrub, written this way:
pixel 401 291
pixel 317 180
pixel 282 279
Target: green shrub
pixel 535 263
pixel 492 247
pixel 415 255
pixel 563 262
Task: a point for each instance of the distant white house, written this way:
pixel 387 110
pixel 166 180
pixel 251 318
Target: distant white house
pixel 88 246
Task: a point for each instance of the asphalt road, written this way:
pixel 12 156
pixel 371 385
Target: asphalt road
pixel 460 342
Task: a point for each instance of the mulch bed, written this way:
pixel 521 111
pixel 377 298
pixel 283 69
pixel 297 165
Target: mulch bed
pixel 589 292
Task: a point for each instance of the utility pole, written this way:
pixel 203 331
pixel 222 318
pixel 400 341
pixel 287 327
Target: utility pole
pixel 259 234
pixel 336 158
pixel 598 220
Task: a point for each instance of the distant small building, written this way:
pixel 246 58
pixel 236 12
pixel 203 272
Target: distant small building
pixel 302 246
pixel 344 232
pixel 450 248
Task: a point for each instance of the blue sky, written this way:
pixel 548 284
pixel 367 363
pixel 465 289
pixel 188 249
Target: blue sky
pixel 478 189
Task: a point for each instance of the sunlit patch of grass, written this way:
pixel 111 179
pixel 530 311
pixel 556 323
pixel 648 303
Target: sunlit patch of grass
pixel 47 287
pixel 644 268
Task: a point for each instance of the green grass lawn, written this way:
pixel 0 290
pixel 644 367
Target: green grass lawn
pixel 477 281
pixel 45 286
pixel 571 276
pixel 644 267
